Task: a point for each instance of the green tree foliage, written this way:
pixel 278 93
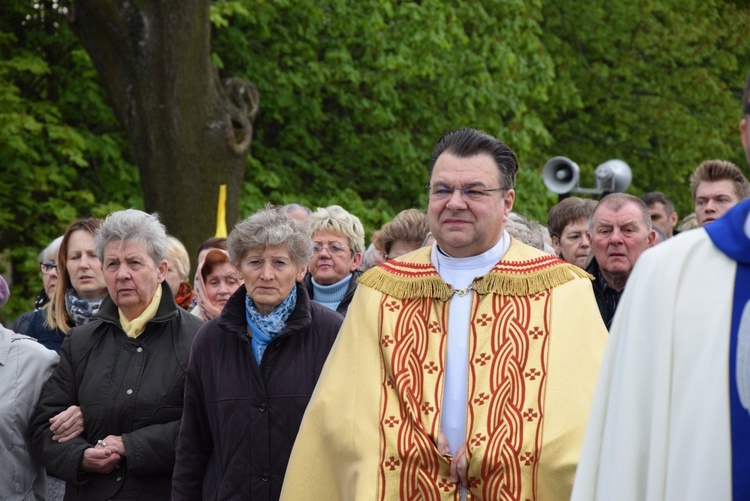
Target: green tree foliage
pixel 61 152
pixel 657 83
pixel 355 94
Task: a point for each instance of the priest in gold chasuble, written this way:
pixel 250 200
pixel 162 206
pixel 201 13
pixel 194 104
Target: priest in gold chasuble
pixel 462 371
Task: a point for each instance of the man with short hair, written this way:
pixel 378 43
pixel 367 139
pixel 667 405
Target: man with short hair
pixel 717 186
pixel 462 369
pixel 619 230
pixel 663 215
pixel 670 416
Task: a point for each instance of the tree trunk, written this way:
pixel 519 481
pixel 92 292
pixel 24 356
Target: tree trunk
pixel 189 132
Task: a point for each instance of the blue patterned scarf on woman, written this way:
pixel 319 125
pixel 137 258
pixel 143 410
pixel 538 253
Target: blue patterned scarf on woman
pixel 81 310
pixel 264 328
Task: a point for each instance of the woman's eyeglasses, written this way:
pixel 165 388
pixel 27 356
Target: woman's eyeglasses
pixel 332 249
pixel 47 267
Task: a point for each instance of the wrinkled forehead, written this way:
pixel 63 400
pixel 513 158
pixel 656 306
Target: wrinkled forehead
pixel 126 249
pixel 609 215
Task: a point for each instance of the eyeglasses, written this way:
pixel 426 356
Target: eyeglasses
pixel 332 249
pixel 47 267
pixel 441 192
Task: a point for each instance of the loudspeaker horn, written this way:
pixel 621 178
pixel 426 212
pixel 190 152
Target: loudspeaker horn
pixel 561 175
pixel 613 176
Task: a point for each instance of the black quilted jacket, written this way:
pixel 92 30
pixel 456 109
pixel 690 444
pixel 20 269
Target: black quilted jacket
pixel 240 419
pixel 124 386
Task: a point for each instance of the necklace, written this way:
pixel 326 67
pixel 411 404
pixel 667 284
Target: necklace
pixel 464 291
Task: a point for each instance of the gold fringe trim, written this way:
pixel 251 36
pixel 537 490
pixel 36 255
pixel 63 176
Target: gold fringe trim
pixel 531 283
pixel 424 283
pixel 402 287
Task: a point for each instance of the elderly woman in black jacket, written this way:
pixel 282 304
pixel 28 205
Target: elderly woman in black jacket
pixel 253 368
pixel 126 370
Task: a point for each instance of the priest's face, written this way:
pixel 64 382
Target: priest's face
pixel 468 206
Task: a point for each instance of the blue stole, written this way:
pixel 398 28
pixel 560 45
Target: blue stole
pixel 728 234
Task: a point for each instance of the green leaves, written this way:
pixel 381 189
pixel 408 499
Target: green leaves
pixel 355 94
pixel 61 155
pixel 654 83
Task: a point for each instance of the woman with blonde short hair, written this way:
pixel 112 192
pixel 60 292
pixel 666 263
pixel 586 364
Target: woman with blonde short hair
pixel 338 246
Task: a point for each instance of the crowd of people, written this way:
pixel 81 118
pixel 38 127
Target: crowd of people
pixel 468 353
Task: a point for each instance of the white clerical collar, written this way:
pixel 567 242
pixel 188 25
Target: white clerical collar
pixel 747 225
pixel 480 264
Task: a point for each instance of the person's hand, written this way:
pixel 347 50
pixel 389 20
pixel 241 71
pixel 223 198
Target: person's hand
pixel 67 424
pixel 460 467
pixel 114 444
pixel 99 460
pixel 459 464
pixel 442 444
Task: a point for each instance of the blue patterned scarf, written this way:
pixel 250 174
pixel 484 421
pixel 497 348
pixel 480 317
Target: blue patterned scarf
pixel 264 328
pixel 81 310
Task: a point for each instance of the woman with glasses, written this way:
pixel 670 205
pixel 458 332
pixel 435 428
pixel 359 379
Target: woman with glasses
pixel 338 245
pixel 79 288
pixel 253 368
pixel 48 267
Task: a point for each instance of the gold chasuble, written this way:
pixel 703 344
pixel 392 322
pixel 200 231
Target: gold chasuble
pixel 535 343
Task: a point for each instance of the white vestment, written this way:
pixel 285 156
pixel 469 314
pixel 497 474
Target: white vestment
pixel 659 427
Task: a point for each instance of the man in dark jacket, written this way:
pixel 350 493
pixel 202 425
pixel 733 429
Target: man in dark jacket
pixel 619 230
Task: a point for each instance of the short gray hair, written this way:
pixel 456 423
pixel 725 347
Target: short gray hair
pixel 293 207
pixel 617 201
pixel 269 227
pixel 132 225
pixel 336 219
pixel 50 252
pixel 526 231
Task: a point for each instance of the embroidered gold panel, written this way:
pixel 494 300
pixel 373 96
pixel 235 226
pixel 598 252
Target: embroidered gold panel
pixel 507 369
